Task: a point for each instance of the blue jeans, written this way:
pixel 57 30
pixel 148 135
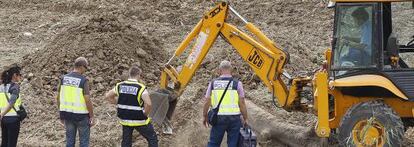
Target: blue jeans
pixel 230 124
pixel 147 131
pixel 84 131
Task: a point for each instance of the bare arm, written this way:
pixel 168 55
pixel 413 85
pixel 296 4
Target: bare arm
pixel 89 105
pixel 243 109
pixel 111 96
pixel 207 104
pixel 147 102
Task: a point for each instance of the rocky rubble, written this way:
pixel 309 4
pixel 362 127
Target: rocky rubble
pixel 110 46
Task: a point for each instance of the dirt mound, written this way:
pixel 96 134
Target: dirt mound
pixel 111 46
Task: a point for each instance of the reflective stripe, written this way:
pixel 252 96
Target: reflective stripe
pixel 74 104
pixel 74 111
pixel 10 113
pixel 229 106
pixel 129 107
pixel 134 122
pixel 228 113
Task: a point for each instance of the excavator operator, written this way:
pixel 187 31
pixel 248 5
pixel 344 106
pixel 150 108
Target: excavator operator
pixel 360 52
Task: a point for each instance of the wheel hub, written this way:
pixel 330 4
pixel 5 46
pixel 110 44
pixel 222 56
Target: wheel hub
pixel 368 133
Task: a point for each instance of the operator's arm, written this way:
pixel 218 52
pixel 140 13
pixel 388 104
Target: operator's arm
pixel 147 102
pixel 242 103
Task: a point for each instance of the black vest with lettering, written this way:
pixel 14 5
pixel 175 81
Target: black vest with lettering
pixel 129 93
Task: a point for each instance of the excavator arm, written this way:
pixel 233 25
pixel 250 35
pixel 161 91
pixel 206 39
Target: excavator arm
pixel 262 55
pixel 266 60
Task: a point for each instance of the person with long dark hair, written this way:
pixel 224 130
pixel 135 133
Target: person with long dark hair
pixel 9 98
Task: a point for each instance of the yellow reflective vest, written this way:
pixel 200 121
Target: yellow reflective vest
pixel 71 95
pixel 230 102
pixel 4 102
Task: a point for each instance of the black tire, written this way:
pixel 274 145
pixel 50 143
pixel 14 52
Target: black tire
pixel 384 115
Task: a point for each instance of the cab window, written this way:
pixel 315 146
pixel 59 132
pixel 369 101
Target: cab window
pixel 354 45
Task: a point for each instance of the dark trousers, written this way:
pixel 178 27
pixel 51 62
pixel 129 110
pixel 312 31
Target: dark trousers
pixel 10 127
pixel 225 123
pixel 147 131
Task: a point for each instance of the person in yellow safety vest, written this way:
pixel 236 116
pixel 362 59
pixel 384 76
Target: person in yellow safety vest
pixel 232 105
pixel 75 106
pixel 133 107
pixel 9 98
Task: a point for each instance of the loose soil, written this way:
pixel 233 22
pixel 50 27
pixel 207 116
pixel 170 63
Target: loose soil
pixel 45 37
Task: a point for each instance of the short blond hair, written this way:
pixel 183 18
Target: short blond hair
pixel 226 65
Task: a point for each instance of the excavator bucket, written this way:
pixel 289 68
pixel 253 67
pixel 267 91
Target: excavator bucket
pixel 160 104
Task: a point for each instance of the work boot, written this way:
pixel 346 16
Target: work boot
pixel 166 127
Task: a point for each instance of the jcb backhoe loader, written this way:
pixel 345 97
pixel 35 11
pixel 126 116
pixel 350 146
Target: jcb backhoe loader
pixel 363 94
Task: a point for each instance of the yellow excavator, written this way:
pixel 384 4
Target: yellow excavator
pixel 363 94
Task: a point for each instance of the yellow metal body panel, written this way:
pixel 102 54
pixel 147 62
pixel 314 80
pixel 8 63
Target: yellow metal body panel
pixel 368 80
pixel 328 55
pixel 188 39
pixel 322 104
pixel 344 102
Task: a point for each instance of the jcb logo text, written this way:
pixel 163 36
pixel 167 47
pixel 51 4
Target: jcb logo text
pixel 215 11
pixel 255 59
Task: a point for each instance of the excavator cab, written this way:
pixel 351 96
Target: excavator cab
pixel 371 93
pixel 364 41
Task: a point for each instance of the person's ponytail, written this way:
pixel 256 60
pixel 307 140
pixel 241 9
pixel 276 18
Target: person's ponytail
pixel 7 75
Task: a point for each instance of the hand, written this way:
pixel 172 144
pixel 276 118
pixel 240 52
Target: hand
pixel 205 121
pixel 62 122
pixel 244 122
pixel 91 121
pixel 1 117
